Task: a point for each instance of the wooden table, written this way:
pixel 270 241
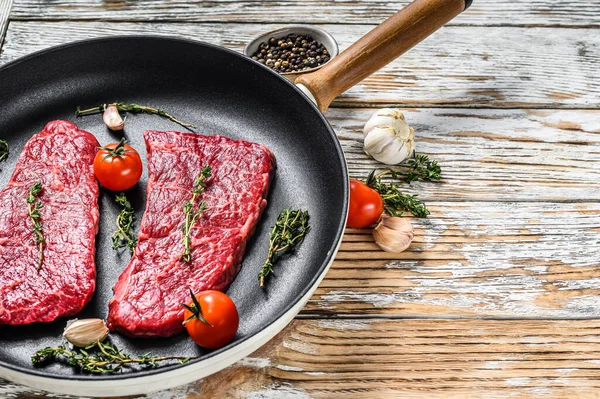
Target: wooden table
pixel 498 297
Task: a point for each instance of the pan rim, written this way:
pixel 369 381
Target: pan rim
pixel 303 295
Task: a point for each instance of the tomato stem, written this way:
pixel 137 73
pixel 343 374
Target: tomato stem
pixel 196 310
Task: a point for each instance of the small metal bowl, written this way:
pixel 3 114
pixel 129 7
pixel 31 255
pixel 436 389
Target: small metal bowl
pixel 317 34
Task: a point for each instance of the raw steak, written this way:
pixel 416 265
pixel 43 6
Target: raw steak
pixel 150 289
pixel 61 157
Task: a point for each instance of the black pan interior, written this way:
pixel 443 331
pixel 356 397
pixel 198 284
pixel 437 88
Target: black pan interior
pixel 219 91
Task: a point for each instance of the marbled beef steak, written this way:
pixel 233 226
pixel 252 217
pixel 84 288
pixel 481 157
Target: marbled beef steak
pixel 61 158
pixel 148 293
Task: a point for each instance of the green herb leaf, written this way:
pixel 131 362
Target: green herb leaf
pixel 289 230
pixel 422 168
pixel 100 358
pixel 3 150
pixel 133 108
pixel 34 207
pixel 192 215
pixel 124 236
pixel 394 201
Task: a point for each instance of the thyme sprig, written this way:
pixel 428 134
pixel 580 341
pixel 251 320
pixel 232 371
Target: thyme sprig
pixel 192 212
pixel 124 236
pixel 289 230
pixel 98 358
pixel 133 108
pixel 423 168
pixel 195 309
pixel 3 150
pixel 420 168
pixel 34 206
pixel 394 201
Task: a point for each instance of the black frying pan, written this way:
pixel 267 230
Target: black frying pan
pixel 222 92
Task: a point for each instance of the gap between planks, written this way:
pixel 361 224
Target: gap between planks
pixel 556 13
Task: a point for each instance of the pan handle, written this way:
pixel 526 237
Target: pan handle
pixel 378 48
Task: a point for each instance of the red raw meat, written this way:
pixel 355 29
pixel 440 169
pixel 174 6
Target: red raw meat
pixel 61 157
pixel 150 289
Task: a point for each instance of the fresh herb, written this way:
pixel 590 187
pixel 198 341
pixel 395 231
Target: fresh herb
pixel 133 108
pixel 34 206
pixel 124 236
pixel 191 214
pixel 422 168
pixel 394 201
pixel 3 150
pixel 289 230
pixel 195 309
pixel 98 358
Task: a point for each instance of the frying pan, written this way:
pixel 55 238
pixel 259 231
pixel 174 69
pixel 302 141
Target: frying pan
pixel 223 92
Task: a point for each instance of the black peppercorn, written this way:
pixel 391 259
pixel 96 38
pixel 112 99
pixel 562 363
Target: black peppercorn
pixel 291 53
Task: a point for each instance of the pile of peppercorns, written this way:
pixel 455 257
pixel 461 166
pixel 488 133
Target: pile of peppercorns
pixel 292 53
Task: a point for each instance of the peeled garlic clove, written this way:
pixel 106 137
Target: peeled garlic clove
pixel 112 119
pixel 393 234
pixel 388 138
pixel 85 332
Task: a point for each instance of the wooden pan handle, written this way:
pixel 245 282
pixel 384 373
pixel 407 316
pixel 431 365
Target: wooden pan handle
pixel 379 47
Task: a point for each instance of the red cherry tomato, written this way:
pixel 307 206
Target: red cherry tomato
pixel 118 166
pixel 366 205
pixel 216 323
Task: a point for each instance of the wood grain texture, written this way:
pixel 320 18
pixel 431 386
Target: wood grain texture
pixel 532 260
pixel 456 66
pixel 493 155
pixel 482 12
pixel 382 45
pixel 5 7
pixel 434 359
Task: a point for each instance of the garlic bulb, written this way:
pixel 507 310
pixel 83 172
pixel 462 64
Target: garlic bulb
pixel 393 234
pixel 112 118
pixel 85 332
pixel 388 138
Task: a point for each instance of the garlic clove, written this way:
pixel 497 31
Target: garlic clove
pixel 393 234
pixel 85 332
pixel 112 119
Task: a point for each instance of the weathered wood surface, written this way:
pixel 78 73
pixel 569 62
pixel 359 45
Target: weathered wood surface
pixel 474 259
pixel 457 66
pixel 434 359
pixel 515 225
pixel 482 12
pixel 493 155
pixel 5 7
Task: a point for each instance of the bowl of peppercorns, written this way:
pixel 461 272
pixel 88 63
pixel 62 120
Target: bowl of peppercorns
pixel 293 50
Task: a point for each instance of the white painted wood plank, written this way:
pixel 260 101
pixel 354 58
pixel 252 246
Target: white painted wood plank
pixel 5 7
pixel 493 155
pixel 533 260
pixel 482 12
pixel 457 66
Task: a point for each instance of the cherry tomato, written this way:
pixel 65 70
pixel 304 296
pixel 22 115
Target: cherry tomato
pixel 118 166
pixel 366 205
pixel 211 319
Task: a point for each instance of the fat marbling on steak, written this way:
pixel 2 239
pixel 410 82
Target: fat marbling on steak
pixel 148 294
pixel 60 157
